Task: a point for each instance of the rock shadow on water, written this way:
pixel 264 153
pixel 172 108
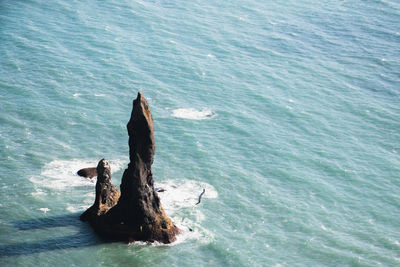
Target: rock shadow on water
pixel 83 238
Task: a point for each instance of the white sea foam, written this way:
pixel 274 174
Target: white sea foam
pixel 61 174
pixel 180 194
pixel 79 208
pixel 194 232
pixel 44 210
pixel 193 114
pixel 179 202
pixel 38 193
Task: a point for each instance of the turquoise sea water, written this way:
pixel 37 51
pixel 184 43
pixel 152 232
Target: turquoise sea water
pixel 286 112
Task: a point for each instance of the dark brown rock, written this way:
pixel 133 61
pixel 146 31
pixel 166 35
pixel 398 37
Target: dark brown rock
pixel 138 215
pixel 88 172
pixel 107 194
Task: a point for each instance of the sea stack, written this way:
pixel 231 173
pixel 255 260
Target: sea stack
pixel 138 214
pixel 107 194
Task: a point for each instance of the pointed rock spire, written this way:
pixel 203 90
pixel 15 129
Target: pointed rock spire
pixel 138 215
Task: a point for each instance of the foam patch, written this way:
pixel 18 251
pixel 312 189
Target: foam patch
pixel 193 114
pixel 61 174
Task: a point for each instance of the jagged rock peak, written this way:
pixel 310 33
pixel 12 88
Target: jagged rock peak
pixel 141 131
pixel 139 204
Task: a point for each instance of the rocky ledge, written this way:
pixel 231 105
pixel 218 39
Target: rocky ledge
pixel 135 213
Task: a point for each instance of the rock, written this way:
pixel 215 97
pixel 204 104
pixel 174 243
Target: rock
pixel 138 215
pixel 88 172
pixel 159 189
pixel 107 194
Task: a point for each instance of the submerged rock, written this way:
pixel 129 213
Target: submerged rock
pixel 138 214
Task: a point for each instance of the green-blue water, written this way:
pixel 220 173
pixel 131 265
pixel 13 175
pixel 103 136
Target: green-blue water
pixel 287 112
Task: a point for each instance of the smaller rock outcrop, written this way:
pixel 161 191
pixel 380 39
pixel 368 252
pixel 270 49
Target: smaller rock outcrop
pixel 88 172
pixel 107 194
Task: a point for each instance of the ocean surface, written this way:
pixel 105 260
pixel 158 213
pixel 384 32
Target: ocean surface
pixel 286 112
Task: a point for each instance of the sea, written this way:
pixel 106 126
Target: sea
pixel 287 114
